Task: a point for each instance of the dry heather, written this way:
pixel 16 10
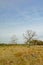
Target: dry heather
pixel 21 55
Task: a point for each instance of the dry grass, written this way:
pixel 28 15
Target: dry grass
pixel 21 55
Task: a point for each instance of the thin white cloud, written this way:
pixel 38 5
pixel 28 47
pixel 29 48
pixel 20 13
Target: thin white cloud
pixel 27 18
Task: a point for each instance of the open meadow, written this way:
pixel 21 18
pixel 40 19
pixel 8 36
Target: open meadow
pixel 21 55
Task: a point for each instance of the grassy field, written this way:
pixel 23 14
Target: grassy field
pixel 21 55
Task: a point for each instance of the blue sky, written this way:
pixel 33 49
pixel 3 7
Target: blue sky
pixel 17 16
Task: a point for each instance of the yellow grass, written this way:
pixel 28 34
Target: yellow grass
pixel 21 55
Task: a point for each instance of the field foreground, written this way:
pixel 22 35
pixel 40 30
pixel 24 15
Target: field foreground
pixel 21 55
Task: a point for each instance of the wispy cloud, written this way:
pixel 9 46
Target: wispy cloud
pixel 17 16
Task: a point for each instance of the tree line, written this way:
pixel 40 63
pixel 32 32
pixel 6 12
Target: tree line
pixel 30 38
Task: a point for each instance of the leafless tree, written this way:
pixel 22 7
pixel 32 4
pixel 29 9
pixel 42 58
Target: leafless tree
pixel 29 35
pixel 14 39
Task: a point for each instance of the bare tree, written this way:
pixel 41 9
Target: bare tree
pixel 14 39
pixel 29 35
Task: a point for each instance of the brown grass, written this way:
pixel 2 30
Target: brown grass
pixel 21 55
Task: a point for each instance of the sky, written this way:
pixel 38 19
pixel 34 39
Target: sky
pixel 18 16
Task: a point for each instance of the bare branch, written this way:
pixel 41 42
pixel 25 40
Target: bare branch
pixel 29 35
